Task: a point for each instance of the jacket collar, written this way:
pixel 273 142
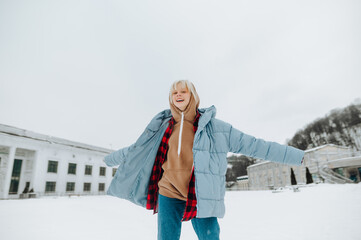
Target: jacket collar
pixel 164 116
pixel 206 115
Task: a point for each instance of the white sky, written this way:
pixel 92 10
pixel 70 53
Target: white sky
pixel 98 71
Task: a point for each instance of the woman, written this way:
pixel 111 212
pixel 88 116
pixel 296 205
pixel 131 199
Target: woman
pixel 177 166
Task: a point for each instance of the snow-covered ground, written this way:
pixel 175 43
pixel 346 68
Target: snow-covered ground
pixel 324 211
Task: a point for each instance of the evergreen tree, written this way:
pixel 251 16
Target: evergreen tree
pixel 308 176
pixel 26 189
pixel 293 178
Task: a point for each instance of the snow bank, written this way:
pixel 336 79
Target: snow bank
pixel 323 211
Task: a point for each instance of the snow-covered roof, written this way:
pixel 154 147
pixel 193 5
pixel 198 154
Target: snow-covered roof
pixel 14 131
pixel 257 164
pixel 330 144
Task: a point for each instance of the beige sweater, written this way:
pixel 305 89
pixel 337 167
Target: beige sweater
pixel 178 168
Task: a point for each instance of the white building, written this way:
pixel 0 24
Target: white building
pixel 327 163
pixel 269 175
pixel 49 165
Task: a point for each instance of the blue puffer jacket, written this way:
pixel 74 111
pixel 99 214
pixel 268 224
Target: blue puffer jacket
pixel 212 141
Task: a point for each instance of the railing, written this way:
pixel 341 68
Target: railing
pixel 333 160
pixel 332 177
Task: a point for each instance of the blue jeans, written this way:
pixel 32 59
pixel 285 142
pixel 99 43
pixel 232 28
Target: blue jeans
pixel 170 214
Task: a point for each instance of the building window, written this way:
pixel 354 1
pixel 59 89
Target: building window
pixel 88 170
pixel 102 171
pixel 70 186
pixel 15 176
pixel 53 166
pixel 353 174
pixel 72 168
pixel 50 186
pixel 114 171
pixel 101 187
pixel 87 187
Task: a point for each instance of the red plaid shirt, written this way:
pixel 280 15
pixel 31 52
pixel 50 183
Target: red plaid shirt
pixel 190 209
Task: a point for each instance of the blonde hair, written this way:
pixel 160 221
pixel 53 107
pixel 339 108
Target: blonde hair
pixel 184 84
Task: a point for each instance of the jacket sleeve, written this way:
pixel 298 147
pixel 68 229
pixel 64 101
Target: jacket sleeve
pixel 120 156
pixel 242 143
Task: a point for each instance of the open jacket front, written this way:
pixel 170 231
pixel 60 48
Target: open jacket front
pixel 212 141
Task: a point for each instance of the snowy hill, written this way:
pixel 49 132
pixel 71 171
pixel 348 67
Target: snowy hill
pixel 317 212
pixel 340 127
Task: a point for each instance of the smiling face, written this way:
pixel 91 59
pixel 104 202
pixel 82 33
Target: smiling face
pixel 181 97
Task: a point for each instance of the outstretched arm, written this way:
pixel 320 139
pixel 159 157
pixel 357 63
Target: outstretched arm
pixel 248 145
pixel 117 157
pixel 120 156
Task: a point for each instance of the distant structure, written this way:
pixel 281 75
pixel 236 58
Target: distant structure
pixel 334 164
pixel 241 184
pixel 33 164
pixel 328 163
